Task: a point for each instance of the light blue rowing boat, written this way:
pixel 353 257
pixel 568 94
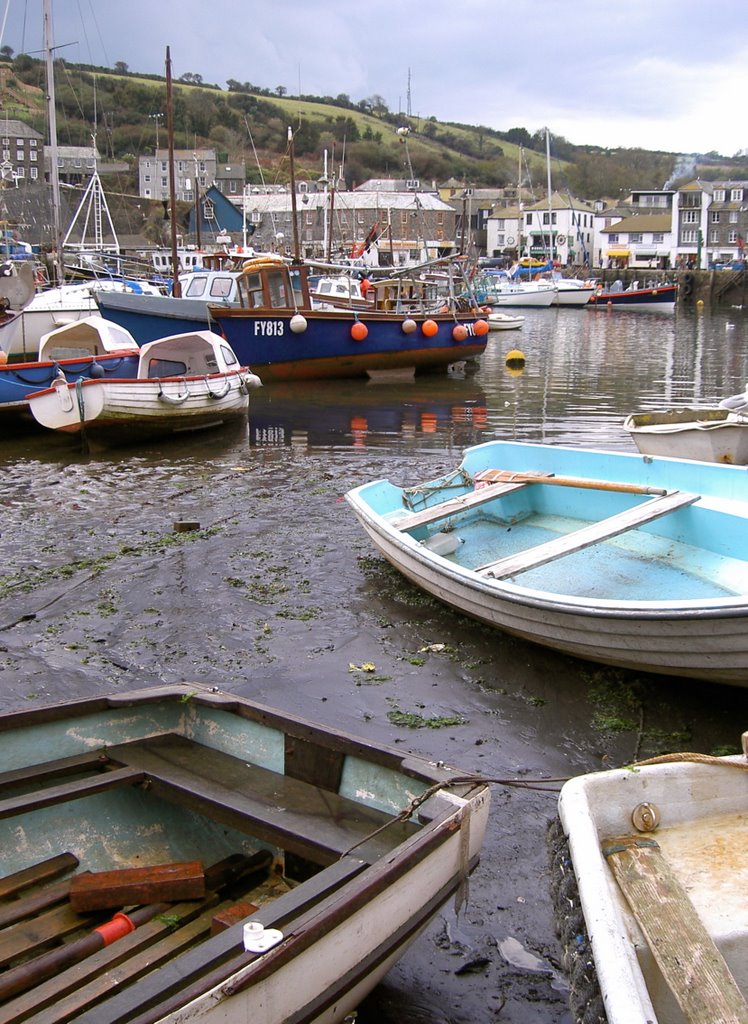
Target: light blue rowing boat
pixel 622 559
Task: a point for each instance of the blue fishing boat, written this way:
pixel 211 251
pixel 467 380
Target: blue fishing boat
pixel 626 560
pixel 85 349
pixel 408 325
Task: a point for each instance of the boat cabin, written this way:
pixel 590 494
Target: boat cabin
pixel 194 354
pixel 267 283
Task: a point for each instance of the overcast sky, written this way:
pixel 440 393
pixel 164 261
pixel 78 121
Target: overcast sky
pixel 660 74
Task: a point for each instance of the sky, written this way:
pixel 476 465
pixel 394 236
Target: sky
pixel 657 74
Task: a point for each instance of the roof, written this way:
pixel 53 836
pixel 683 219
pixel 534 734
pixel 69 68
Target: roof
pixel 641 222
pixel 559 202
pixel 281 203
pixel 19 129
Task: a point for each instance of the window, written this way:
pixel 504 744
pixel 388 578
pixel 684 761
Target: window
pixel 164 183
pixel 6 142
pixel 33 156
pixel 19 142
pixel 6 154
pixel 33 173
pixel 146 178
pixel 734 216
pixel 657 238
pixel 147 193
pixel 719 195
pixel 545 218
pixel 20 155
pixel 688 236
pixel 736 195
pixel 500 240
pixel 636 238
pixel 714 217
pixel 732 236
pixel 232 186
pixel 163 167
pixel 33 143
pixel 714 236
pixel 220 287
pixel 690 216
pixel 613 239
pixel 528 219
pixel 188 196
pixel 209 210
pixel 20 172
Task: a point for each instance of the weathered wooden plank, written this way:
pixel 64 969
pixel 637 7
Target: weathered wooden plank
pixel 38 773
pixel 99 890
pixel 453 506
pixel 36 874
pixel 28 936
pixel 303 819
pixel 231 915
pixel 165 944
pixel 72 790
pixel 594 533
pixel 28 906
pixel 690 961
pixel 536 476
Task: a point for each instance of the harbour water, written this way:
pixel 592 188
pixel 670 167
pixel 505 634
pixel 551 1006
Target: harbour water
pixel 279 597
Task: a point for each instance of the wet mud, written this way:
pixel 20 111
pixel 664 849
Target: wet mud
pixel 278 596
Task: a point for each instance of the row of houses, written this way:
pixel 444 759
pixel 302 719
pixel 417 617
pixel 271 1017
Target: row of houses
pixel 700 224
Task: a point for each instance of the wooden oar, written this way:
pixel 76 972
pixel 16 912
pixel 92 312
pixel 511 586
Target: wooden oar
pixel 533 476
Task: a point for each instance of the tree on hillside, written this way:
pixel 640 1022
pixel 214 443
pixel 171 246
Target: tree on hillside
pixel 6 52
pixel 121 68
pixel 281 90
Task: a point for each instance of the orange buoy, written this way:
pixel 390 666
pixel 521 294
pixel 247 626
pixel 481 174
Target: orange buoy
pixel 430 328
pixel 459 332
pixel 3 357
pixel 480 327
pixel 359 331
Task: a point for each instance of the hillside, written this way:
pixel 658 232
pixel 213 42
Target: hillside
pixel 250 124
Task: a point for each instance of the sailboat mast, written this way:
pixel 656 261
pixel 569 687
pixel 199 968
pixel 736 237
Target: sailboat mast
pixel 176 288
pixel 550 196
pixel 54 173
pixel 294 216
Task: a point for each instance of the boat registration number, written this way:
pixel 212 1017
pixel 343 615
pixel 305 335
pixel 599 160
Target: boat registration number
pixel 269 328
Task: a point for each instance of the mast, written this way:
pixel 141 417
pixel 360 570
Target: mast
pixel 296 250
pixel 550 196
pixel 176 288
pixel 54 173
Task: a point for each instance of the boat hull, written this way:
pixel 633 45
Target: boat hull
pixel 325 347
pixel 703 836
pixel 149 317
pixel 660 299
pixel 642 603
pixel 708 434
pixel 122 411
pixel 19 380
pixel 341 928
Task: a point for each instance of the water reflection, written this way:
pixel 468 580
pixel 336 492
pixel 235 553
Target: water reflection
pixel 584 372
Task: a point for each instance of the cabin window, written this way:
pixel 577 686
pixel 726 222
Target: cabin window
pixel 196 287
pixel 229 356
pixel 253 289
pixel 166 368
pixel 277 289
pixel 220 287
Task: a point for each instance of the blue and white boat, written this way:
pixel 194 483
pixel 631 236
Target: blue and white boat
pixel 626 560
pixel 85 349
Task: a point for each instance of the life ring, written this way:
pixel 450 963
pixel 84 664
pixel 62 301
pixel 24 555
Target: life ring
pixel 40 277
pixel 688 284
pixel 510 240
pixel 261 263
pixel 560 239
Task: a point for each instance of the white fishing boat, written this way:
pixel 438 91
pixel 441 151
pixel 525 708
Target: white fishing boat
pixel 184 382
pixel 660 860
pixel 199 857
pixel 706 433
pixel 626 560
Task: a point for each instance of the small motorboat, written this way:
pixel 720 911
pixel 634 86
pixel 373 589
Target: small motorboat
pixel 655 856
pixel 87 348
pixel 706 433
pixel 633 561
pixel 184 854
pixel 184 382
pixel 657 298
pixel 504 322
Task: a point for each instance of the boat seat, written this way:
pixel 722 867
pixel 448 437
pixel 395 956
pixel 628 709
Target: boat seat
pixel 453 506
pixel 594 533
pixel 301 818
pixel 304 819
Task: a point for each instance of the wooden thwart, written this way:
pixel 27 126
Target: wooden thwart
pixel 99 890
pixel 536 476
pixel 690 962
pixel 594 533
pixel 444 509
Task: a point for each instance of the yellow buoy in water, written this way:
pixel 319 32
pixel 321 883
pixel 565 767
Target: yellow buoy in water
pixel 515 358
pixel 699 303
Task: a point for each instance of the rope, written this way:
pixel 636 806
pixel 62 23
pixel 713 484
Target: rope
pixel 694 759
